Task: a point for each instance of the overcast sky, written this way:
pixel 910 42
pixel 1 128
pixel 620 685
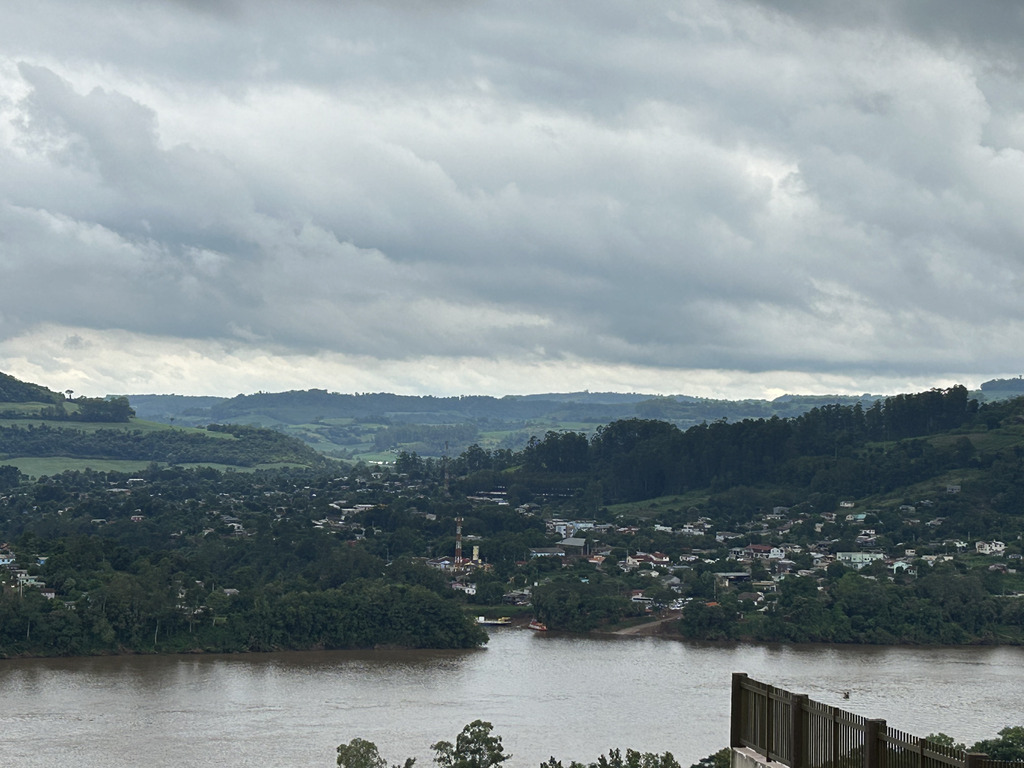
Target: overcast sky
pixel 725 198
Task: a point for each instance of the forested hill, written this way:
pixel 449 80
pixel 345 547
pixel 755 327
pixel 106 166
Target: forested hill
pixel 14 391
pixel 23 400
pixel 995 389
pixel 834 448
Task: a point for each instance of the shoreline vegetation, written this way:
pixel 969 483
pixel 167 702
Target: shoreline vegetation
pixel 655 629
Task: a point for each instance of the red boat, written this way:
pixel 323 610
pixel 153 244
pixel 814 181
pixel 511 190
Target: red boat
pixel 538 626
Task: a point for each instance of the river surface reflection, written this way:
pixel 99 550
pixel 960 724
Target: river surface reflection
pixel 573 698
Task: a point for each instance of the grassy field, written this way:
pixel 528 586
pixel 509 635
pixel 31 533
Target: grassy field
pixel 23 408
pixel 36 467
pixel 376 456
pixel 651 508
pixel 985 440
pixel 54 465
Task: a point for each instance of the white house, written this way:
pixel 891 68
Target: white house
pixel 858 559
pixel 990 547
pixel 764 552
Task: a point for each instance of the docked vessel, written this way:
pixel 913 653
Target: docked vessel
pixel 539 626
pixel 502 621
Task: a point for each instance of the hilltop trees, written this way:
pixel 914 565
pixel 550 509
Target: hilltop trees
pixel 98 409
pixel 13 390
pixel 825 448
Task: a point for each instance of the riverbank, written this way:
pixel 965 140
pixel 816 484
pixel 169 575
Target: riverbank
pixel 662 625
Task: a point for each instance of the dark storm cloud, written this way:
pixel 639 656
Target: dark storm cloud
pixel 977 25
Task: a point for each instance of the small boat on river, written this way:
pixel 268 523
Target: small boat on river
pixel 501 621
pixel 539 626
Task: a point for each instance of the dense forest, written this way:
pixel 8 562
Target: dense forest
pixel 840 449
pixel 137 613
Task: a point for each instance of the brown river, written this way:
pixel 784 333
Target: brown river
pixel 572 698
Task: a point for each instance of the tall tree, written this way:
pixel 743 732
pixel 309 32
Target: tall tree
pixel 475 747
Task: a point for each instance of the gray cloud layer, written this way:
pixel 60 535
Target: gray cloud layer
pixel 823 189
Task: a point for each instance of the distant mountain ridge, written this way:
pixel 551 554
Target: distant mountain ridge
pixel 376 425
pixel 298 404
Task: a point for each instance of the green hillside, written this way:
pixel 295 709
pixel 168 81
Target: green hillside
pixel 14 391
pixel 41 430
pixel 20 399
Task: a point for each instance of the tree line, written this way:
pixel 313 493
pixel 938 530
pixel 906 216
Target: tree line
pixel 828 447
pixel 134 612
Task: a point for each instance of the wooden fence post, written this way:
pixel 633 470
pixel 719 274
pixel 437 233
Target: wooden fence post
pixel 974 759
pixel 736 726
pixel 873 752
pixel 797 705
